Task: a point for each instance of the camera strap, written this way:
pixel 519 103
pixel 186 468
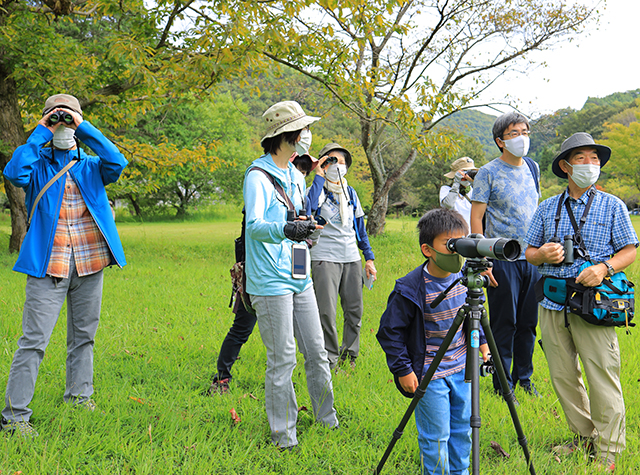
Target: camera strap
pixel 577 237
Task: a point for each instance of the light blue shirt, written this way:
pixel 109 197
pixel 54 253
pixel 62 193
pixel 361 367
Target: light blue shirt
pixel 268 251
pixel 511 197
pixel 606 230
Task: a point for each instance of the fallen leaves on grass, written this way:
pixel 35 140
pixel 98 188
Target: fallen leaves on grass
pixel 234 416
pixel 137 399
pixel 499 450
pixel 302 409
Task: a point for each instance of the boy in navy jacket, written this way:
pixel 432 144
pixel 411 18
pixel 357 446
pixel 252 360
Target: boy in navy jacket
pixel 411 333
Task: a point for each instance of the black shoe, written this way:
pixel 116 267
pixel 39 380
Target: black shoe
pixel 218 386
pixel 530 389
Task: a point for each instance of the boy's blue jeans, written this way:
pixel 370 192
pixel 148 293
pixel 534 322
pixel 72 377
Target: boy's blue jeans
pixel 444 430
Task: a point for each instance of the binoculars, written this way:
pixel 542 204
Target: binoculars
pixel 61 116
pixel 567 245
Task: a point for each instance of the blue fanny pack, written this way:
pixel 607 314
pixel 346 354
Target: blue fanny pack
pixel 609 304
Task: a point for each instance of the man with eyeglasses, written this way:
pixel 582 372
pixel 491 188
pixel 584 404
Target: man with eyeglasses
pixel 505 195
pixel 605 237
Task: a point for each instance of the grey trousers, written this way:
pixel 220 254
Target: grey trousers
pixel 44 299
pixel 331 279
pixel 283 320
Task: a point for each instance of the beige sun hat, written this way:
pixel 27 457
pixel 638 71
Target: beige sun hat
pixel 65 101
pixel 464 163
pixel 286 116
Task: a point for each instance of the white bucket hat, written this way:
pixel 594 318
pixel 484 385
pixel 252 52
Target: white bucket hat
pixel 464 163
pixel 286 116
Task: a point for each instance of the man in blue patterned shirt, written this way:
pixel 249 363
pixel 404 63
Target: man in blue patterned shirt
pixel 597 418
pixel 506 190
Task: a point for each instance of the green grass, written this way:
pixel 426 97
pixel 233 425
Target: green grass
pixel 163 319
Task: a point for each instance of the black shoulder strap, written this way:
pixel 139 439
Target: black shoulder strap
pixel 532 167
pixel 277 186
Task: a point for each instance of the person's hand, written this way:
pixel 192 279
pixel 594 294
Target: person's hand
pixel 409 382
pixel 299 230
pixel 370 270
pixel 592 276
pixel 551 253
pixel 77 119
pixel 459 176
pixel 492 280
pixel 319 169
pixel 45 122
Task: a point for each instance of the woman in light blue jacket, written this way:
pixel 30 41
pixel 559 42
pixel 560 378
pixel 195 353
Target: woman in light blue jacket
pixel 285 306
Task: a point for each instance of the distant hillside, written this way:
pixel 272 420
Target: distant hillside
pixel 617 97
pixel 474 124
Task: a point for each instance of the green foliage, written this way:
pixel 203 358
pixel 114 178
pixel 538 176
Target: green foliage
pixel 474 124
pixel 421 188
pixel 195 151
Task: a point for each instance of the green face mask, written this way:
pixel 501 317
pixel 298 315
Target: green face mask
pixel 448 262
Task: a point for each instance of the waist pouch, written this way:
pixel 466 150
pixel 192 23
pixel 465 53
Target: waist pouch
pixel 610 304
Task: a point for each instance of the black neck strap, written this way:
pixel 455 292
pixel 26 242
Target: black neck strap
pixel 578 241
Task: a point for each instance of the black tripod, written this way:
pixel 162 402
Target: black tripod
pixel 475 314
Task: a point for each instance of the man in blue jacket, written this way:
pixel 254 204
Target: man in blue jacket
pixel 72 237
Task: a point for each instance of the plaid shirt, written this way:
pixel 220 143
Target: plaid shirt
pixel 607 230
pixel 77 234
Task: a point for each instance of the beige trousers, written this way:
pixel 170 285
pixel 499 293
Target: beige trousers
pixel 599 414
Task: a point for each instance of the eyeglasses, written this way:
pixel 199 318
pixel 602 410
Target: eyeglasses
pixel 514 133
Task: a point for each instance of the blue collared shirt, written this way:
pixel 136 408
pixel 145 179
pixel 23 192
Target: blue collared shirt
pixel 606 230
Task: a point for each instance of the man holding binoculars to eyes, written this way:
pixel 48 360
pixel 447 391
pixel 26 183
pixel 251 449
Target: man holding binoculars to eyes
pixel 71 238
pixel 599 227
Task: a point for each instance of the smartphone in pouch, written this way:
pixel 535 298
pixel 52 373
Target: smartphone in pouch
pixel 300 261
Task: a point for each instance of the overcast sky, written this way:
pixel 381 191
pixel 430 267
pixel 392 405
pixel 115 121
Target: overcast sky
pixel 605 62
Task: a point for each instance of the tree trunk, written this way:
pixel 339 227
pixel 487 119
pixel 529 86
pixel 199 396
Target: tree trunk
pixel 136 206
pixel 12 135
pixel 377 216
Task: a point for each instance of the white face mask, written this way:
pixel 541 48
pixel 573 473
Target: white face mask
pixel 585 175
pixel 63 138
pixel 304 144
pixel 335 172
pixel 518 146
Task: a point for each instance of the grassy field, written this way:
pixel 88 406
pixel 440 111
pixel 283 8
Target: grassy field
pixel 163 319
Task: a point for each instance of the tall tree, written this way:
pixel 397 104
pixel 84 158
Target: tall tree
pixel 624 141
pixel 118 58
pixel 405 64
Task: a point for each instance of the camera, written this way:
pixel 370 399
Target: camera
pixel 567 245
pixel 476 245
pixel 487 367
pixel 62 116
pixel 471 173
pixel 329 161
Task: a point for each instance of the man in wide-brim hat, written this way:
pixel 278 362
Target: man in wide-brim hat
pixel 598 417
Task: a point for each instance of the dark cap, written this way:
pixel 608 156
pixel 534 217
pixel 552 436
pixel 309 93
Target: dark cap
pixel 65 101
pixel 579 140
pixel 330 147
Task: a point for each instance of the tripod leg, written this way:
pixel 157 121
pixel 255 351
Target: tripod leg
pixel 507 391
pixel 472 374
pixel 437 359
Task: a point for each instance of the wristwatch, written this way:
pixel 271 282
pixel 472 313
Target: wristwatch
pixel 610 269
